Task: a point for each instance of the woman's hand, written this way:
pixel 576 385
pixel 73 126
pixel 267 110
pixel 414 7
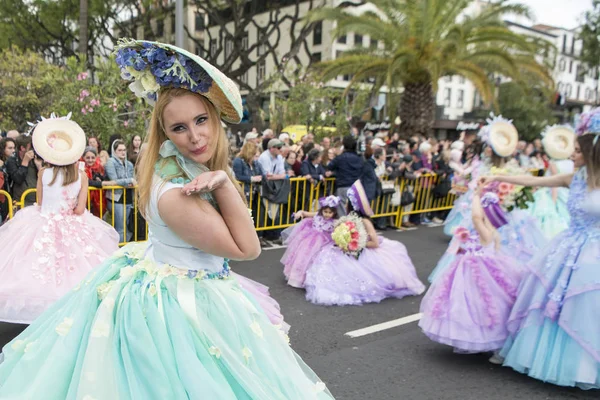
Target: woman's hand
pixel 298 215
pixel 206 182
pixel 486 180
pixel 256 178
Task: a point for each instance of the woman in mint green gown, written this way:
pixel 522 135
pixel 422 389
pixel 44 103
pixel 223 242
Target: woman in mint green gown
pixel 167 321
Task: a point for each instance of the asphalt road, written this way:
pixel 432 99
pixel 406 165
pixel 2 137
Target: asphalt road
pixel 397 363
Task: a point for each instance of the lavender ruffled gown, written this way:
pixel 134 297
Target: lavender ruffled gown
pixel 338 279
pixel 468 305
pixel 304 241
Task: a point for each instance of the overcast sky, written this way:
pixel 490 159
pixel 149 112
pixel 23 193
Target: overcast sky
pixel 560 13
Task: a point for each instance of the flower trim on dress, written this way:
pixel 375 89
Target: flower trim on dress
pixel 323 224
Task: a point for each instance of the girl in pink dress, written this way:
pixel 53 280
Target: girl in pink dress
pixel 47 249
pixel 307 238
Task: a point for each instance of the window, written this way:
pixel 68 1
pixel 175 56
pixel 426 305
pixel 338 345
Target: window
pixel 447 97
pixel 571 66
pixel 198 51
pixel 228 47
pixel 358 40
pixel 160 28
pixel 260 36
pixel 568 90
pixel 448 79
pixel 562 65
pixel 244 43
pixel 173 23
pixel 564 46
pixel 374 44
pixel 342 39
pixel 578 91
pixel 315 57
pixel 573 45
pixel 244 77
pixel 580 73
pixel 199 25
pixel 318 33
pixel 461 99
pixel 260 72
pixel 560 87
pixel 462 79
pixel 587 94
pixel 213 48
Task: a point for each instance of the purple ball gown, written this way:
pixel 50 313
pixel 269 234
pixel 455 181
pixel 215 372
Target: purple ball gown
pixel 468 305
pixel 338 279
pixel 304 241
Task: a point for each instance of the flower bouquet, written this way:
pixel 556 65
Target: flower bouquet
pixel 511 196
pixel 350 235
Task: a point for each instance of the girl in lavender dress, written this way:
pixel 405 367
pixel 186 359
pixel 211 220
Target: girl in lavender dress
pixel 554 325
pixel 307 238
pixel 379 270
pixel 468 305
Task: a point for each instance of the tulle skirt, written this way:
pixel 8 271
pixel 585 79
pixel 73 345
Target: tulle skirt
pixel 303 243
pixel 45 256
pixel 555 323
pixel 521 239
pixel 552 216
pixel 339 279
pixel 468 306
pixel 135 329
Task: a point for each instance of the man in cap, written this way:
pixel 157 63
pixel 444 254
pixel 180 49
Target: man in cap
pixel 273 169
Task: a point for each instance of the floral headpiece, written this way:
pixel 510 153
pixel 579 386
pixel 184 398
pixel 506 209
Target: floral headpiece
pixel 589 122
pixel 500 134
pixel 329 201
pixel 152 65
pixel 485 131
pixel 32 125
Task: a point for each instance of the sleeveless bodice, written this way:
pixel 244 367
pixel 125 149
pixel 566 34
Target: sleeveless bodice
pixel 323 224
pixel 580 219
pixel 58 199
pixel 168 248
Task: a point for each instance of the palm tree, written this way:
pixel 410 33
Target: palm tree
pixel 425 40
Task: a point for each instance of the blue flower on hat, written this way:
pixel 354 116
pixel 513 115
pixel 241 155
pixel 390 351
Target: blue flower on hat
pixel 594 124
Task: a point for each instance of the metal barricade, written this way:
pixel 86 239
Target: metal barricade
pixel 8 200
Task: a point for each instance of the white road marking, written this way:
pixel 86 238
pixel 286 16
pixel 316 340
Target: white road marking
pixel 384 326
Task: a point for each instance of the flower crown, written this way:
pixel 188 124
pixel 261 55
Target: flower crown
pixel 32 125
pixel 152 66
pixel 589 122
pixel 329 201
pixel 484 132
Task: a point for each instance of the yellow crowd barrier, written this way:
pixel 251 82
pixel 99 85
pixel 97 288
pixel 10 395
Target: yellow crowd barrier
pixel 8 200
pixel 303 195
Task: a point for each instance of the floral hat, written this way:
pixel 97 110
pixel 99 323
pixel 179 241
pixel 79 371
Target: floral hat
pixel 152 65
pixel 500 134
pixel 58 141
pixel 329 201
pixel 559 141
pixel 358 199
pixel 589 122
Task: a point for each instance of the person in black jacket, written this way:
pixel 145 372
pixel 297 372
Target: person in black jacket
pixel 348 168
pixel 23 170
pixel 312 170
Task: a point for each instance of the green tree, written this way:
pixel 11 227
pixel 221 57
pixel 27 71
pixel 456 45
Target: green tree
pixel 30 88
pixel 422 41
pixel 590 35
pixel 28 85
pixel 529 108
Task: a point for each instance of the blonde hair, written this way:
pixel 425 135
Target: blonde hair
pixel 70 173
pixel 157 135
pixel 248 152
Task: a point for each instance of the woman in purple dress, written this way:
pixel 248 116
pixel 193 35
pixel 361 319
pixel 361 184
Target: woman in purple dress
pixel 468 305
